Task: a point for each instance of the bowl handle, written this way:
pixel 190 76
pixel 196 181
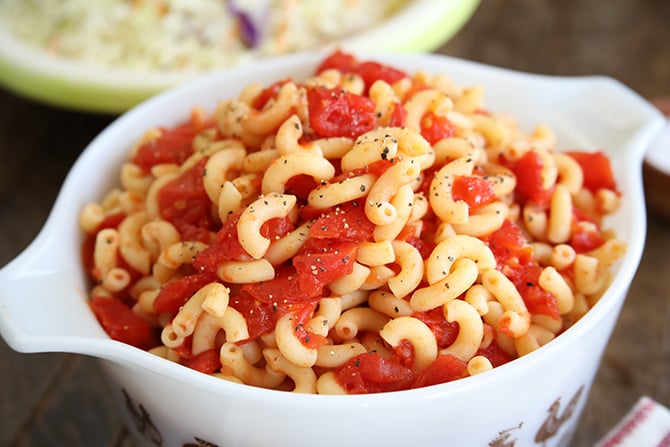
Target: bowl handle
pixel 656 166
pixel 43 305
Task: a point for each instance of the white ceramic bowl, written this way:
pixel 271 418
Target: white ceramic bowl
pixel 535 399
pixel 421 25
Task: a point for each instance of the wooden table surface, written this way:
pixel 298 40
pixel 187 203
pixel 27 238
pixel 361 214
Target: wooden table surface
pixel 60 400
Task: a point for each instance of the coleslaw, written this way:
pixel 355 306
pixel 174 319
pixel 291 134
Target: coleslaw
pixel 185 35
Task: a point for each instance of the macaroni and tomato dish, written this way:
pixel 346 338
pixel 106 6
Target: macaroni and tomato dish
pixel 363 230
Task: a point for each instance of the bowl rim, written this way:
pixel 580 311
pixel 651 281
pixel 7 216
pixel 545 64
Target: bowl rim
pixel 41 76
pixel 103 347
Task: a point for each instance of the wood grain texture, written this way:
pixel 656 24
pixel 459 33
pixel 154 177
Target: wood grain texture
pixel 58 400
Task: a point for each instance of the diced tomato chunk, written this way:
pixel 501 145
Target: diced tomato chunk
pixel 227 245
pixel 586 238
pixel 209 259
pixel 408 234
pixel 87 250
pixel 111 221
pixel 372 71
pixel 524 272
pixel 436 127
pixel 310 340
pixel 515 259
pixel 121 323
pixel 185 203
pixel 428 177
pixel 284 288
pixel 403 353
pixel 495 354
pixel 268 93
pixel 185 350
pixel 415 88
pixel 261 317
pixel 445 368
pixel 346 222
pixel 338 60
pixel 369 71
pixel 88 246
pixel 398 116
pixel 300 186
pixel 377 168
pixel 506 242
pixel 316 269
pixel 176 292
pixel 445 331
pixel 473 190
pixel 309 213
pixel 173 145
pixel 528 172
pixel 597 170
pixel 276 228
pixel 425 247
pixel 207 362
pixel 338 113
pixel 372 373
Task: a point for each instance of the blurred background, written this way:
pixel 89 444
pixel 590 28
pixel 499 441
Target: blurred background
pixel 59 400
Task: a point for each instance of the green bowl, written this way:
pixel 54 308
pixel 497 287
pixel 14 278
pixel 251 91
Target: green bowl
pixel 421 26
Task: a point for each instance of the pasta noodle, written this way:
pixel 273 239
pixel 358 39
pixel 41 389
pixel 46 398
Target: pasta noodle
pixel 318 236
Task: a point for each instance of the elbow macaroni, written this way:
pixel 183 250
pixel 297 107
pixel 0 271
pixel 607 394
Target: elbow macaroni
pixel 288 253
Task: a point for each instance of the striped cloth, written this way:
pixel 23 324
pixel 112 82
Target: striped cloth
pixel 647 424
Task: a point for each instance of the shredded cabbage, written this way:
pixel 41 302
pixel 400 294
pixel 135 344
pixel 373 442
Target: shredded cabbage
pixel 185 35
